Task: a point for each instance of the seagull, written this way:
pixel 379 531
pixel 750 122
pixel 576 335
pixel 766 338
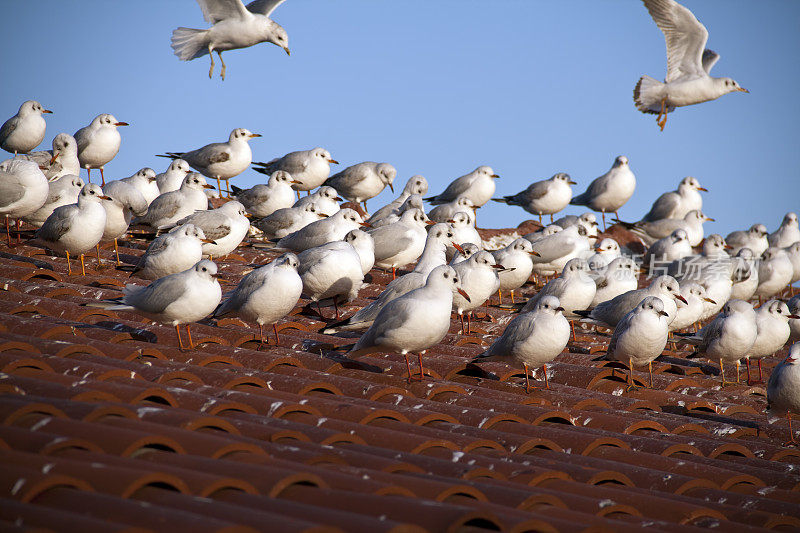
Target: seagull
pixel 610 191
pixel 126 201
pixel 610 312
pixel 60 161
pixel 98 143
pixel 266 294
pixel 264 199
pixel 478 186
pixel 775 271
pixel 544 197
pixel 787 234
pixel 24 131
pixel 754 238
pixel 574 288
pixel 364 244
pixel 77 227
pixel 225 226
pixel 330 229
pixel 331 271
pixel 172 252
pixel 650 232
pixel 690 312
pixel 362 181
pixel 234 26
pixel 325 198
pixel 224 160
pixel 171 179
pixel 728 337
pixel 23 190
pixel 745 275
pixel 310 167
pixel 793 252
pixel 464 230
pixel 62 191
pixel 688 65
pixel 620 276
pixel 587 220
pixel 415 321
pixel 557 249
pixel 176 299
pixel 288 220
pixel 714 250
pixel 479 279
pixel 640 336
pixel 772 323
pixel 446 211
pixel 401 243
pixel 794 324
pixel 783 387
pixel 663 252
pixel 412 202
pixel 415 185
pixel 439 237
pixel 144 180
pixel 172 206
pixel 534 338
pixel 606 251
pixel 677 203
pixel 516 258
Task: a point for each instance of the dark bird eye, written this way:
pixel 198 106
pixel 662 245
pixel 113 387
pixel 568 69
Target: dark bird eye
pixel 446 275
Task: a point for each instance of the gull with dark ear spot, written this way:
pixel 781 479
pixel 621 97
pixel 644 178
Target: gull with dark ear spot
pixel 412 202
pixel 329 229
pixel 534 338
pixel 609 313
pixel 677 203
pixel 60 161
pixel 234 26
pixel 98 144
pixel 171 252
pixel 126 201
pixel 516 258
pixel 479 278
pixel 446 211
pixel 264 199
pixel 225 226
pixel 309 167
pixel 545 197
pixel 783 389
pixel 620 276
pixel 23 190
pixel 288 220
pixel 754 238
pixel 415 321
pixel 772 323
pixel 170 207
pixel 478 186
pixel 144 180
pixel 787 234
pixel 775 271
pixel 62 191
pixel 78 227
pixel 24 131
pixel 326 199
pixel 401 243
pixel 223 160
pixel 416 185
pixel 181 298
pixel 688 65
pixel 172 178
pixel 640 337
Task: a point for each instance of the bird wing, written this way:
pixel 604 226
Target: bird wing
pixel 264 7
pixel 217 10
pixel 164 206
pixel 157 296
pixel 517 332
pixel 249 284
pixel 82 137
pixel 8 128
pixel 456 189
pixel 664 206
pixel 620 328
pixel 208 155
pixel 211 222
pixel 710 57
pixel 710 333
pixel 390 240
pixel 552 249
pixel 11 190
pixel 685 37
pixel 537 190
pixel 58 223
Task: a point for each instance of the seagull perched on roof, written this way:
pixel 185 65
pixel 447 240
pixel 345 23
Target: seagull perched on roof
pixel 234 26
pixel 688 65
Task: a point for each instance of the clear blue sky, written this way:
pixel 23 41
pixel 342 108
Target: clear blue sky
pixel 435 87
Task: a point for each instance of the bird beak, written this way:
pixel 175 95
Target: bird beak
pixel 795 317
pixel 430 222
pixel 559 308
pixel 208 241
pixel 55 156
pixel 295 181
pixel 463 293
pixel 151 179
pixel 207 186
pixel 451 221
pixel 46 111
pixel 288 52
pixel 121 124
pixel 333 161
pixel 572 182
pixel 709 300
pixel 743 90
pixel 498 267
pixel 598 250
pixel 391 188
pixel 248 215
pixel 709 219
pixel 495 176
pixel 702 189
pixel 534 252
pixel 255 135
pixel 457 247
pixel 663 313
pixel 728 246
pixel 104 197
pixel 339 199
pixel 681 298
pixel 366 224
pixel 322 215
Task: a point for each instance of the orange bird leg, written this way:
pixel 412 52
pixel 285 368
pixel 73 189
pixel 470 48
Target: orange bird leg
pixel 178 331
pixel 69 268
pixel 421 373
pixel 116 252
pixel 408 367
pixel 83 266
pixel 102 177
pixel 275 329
pixel 546 381
pixel 527 379
pixel 189 332
pixel 97 247
pixel 650 369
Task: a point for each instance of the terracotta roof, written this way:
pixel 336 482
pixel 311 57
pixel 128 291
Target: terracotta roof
pixel 105 425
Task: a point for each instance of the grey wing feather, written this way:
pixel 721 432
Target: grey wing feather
pixel 165 206
pixel 535 190
pixel 249 284
pixel 454 190
pixel 710 333
pixel 8 128
pixel 663 207
pixel 293 163
pixel 264 7
pixel 710 57
pixel 82 138
pixel 58 223
pixel 157 296
pixel 10 191
pixel 685 37
pixel 217 10
pixel 213 224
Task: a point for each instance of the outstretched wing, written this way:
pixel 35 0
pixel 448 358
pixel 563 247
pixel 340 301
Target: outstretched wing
pixel 710 57
pixel 264 7
pixel 685 37
pixel 217 10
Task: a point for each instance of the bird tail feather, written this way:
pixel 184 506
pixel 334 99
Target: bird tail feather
pixel 646 95
pixel 189 43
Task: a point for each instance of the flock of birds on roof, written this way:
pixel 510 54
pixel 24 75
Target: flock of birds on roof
pixel 330 248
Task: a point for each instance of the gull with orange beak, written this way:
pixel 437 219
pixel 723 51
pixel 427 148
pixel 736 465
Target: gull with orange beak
pixel 264 199
pixel 310 167
pixel 172 252
pixel 677 203
pixel 60 161
pixel 98 143
pixel 24 131
pixel 221 161
pixel 170 207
